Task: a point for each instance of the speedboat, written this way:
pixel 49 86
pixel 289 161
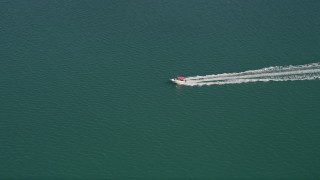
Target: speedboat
pixel 180 80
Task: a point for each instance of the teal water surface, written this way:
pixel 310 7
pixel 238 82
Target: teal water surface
pixel 85 90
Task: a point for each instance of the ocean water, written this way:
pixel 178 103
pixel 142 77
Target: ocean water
pixel 85 91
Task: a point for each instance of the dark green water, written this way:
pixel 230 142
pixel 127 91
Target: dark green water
pixel 84 89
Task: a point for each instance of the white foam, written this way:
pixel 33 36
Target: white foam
pixel 276 73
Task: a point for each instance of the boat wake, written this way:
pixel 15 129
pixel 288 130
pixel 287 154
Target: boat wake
pixel 276 73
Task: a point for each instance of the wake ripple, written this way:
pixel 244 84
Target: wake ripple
pixel 276 73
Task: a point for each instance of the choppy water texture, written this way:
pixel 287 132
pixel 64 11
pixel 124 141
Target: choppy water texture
pixel 85 89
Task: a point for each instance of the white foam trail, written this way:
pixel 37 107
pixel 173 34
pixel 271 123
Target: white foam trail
pixel 277 73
